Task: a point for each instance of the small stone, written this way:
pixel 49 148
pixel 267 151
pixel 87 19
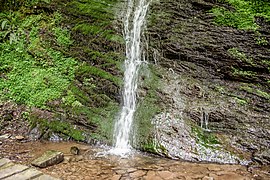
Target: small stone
pixel 67 160
pixel 207 178
pixel 4 136
pixel 84 150
pixel 49 158
pixel 79 158
pixel 75 150
pixel 19 138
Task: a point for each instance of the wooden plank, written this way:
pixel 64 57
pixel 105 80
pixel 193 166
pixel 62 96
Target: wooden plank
pixel 24 175
pixel 46 177
pixel 9 171
pixel 4 161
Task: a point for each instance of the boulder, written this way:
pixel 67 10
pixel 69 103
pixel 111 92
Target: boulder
pixel 49 158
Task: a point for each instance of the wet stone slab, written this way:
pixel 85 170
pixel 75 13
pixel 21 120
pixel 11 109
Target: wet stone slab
pixel 11 171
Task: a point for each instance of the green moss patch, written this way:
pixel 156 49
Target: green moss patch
pixel 204 138
pixel 243 15
pixel 148 107
pixel 33 73
pixel 256 91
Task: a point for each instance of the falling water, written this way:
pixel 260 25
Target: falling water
pixel 133 24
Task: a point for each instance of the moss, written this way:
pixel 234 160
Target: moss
pixel 155 148
pixel 204 138
pixel 99 119
pixel 65 56
pixel 36 73
pixel 238 72
pixel 240 55
pixel 219 89
pixel 56 126
pixel 262 94
pixel 267 63
pixel 243 16
pixel 107 59
pixel 147 107
pixel 86 69
pixel 99 10
pixel 241 101
pixel 256 91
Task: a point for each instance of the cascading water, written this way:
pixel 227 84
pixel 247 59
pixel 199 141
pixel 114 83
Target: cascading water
pixel 132 31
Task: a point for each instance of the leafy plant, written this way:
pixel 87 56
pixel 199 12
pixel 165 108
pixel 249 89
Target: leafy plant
pixel 34 73
pixel 243 17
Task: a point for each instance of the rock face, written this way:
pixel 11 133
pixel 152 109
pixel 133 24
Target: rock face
pixel 213 104
pixel 49 158
pixel 204 95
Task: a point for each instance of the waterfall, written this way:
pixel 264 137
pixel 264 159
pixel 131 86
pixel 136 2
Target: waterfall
pixel 133 25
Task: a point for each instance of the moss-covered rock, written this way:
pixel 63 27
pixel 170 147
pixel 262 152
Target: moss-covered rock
pixel 71 79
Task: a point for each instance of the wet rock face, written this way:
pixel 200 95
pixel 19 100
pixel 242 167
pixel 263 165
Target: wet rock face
pixel 210 103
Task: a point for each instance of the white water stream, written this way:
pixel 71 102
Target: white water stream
pixel 133 25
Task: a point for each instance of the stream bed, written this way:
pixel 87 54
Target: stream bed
pixel 93 163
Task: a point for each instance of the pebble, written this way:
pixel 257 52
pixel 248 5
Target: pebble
pixel 207 178
pixel 19 138
pixel 5 136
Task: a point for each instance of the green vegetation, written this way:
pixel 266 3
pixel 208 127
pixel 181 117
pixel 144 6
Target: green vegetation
pixel 101 12
pixel 47 127
pixel 85 69
pixel 204 138
pixel 237 72
pixel 240 55
pixel 16 4
pixel 267 63
pixel 155 148
pixel 33 73
pixel 66 63
pixel 255 91
pixel 261 40
pixel 148 107
pixel 241 101
pixel 243 15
